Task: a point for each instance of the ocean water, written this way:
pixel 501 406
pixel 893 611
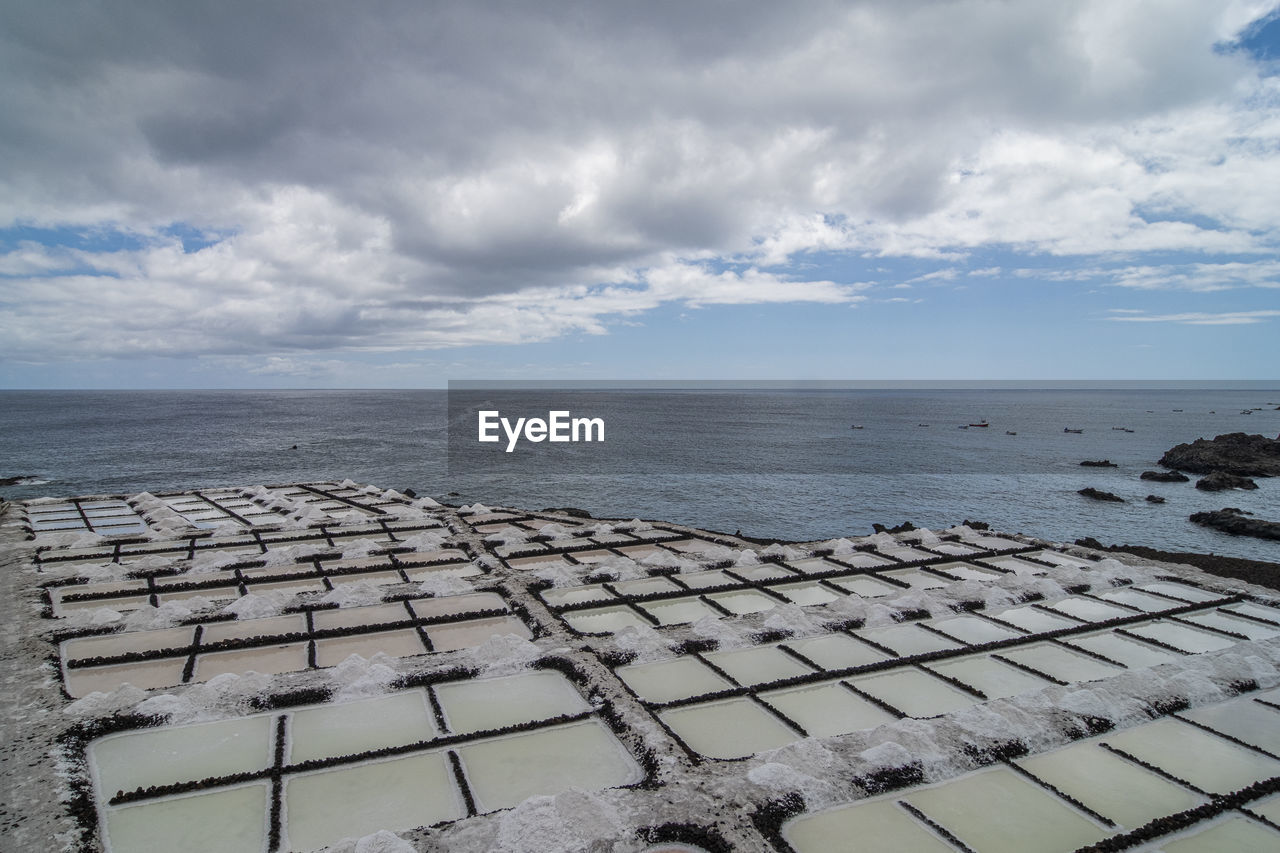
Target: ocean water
pixel 773 463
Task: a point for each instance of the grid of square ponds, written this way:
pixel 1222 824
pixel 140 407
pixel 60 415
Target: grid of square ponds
pixel 765 696
pixel 251 566
pixel 203 508
pixel 675 599
pixel 732 704
pixel 107 517
pixel 313 636
pixel 1198 781
pixel 310 776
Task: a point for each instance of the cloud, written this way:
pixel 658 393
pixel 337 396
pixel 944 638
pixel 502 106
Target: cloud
pixel 1199 318
pixel 401 175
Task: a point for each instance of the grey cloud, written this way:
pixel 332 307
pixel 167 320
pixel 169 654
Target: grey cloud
pixel 447 150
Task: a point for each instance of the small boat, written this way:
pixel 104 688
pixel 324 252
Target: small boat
pixel 1119 428
pixel 1076 431
pixel 1126 429
pixel 983 424
pixel 922 425
pixel 1246 412
pixel 856 426
pixel 1009 432
pixel 1177 410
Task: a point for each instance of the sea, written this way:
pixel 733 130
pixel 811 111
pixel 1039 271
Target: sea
pixel 798 463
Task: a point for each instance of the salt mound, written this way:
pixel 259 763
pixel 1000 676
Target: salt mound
pixel 441 584
pixel 642 641
pixel 504 654
pixel 224 696
pixel 259 605
pixel 358 677
pixel 382 841
pixel 781 779
pixel 149 618
pixel 571 822
pixel 99 704
pixel 355 594
pixel 793 618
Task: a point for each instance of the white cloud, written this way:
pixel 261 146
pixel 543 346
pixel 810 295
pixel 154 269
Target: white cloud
pixel 1200 318
pixel 399 177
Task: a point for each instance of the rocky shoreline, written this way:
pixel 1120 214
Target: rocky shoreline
pixel 1235 453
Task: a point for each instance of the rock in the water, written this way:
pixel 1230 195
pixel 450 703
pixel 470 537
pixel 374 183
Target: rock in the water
pixel 1099 463
pixel 1238 523
pixel 573 511
pixel 1091 492
pixel 901 528
pixel 1220 481
pixel 1234 453
pixel 1154 499
pixel 1165 476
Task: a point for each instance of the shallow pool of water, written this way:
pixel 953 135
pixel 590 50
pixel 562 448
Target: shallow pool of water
pixel 491 703
pixel 827 709
pixel 758 665
pixel 505 771
pixel 914 692
pixel 730 728
pixel 1208 762
pixel 348 802
pixel 1112 786
pixel 878 826
pixel 233 820
pixel 669 680
pixel 348 728
pixel 1012 810
pixel 170 754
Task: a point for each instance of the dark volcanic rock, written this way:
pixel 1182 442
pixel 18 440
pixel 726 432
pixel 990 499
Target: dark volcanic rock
pixel 1238 523
pixel 573 511
pixel 901 528
pixel 1220 481
pixel 1234 453
pixel 1099 463
pixel 1154 499
pixel 1165 476
pixel 1091 492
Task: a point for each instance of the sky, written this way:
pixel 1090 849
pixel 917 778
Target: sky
pixel 395 194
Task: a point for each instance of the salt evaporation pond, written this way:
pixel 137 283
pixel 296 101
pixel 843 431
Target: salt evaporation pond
pixel 348 802
pixel 443 747
pixel 481 704
pixel 827 709
pixel 503 772
pixel 1186 752
pixel 163 756
pixel 348 728
pixel 1112 786
pixel 881 826
pixel 914 693
pixel 233 820
pixel 992 677
pixel 1235 834
pixel 758 665
pixel 669 680
pixel 731 728
pixel 1013 810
